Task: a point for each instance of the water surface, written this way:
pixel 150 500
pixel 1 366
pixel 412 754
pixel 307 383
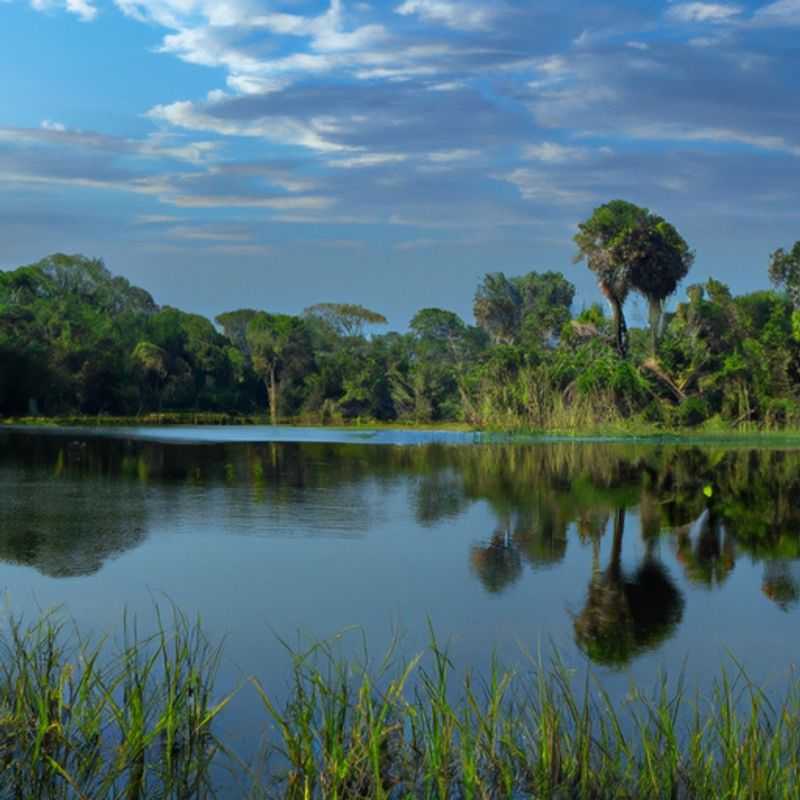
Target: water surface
pixel 630 557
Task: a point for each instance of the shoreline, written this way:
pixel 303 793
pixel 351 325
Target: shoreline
pixel 599 435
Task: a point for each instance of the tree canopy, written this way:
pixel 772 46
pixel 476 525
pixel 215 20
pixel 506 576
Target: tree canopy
pixel 76 339
pixel 347 319
pixel 630 249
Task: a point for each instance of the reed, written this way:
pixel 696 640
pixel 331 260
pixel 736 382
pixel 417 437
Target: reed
pixel 85 720
pixel 94 720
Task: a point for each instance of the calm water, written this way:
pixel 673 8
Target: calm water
pixel 636 558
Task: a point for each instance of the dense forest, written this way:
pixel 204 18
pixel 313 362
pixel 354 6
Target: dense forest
pixel 75 339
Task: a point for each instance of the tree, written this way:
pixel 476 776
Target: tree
pixel 151 362
pixel 442 349
pixel 546 302
pixel 628 248
pixel 234 325
pixel 347 319
pixel 437 326
pixel 273 341
pixel 784 270
pixel 498 307
pixel 659 260
pixel 598 240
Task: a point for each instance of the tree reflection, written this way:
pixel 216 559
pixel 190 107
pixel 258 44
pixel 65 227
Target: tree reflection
pixel 626 614
pixel 497 564
pixel 708 557
pixel 714 505
pixel 781 583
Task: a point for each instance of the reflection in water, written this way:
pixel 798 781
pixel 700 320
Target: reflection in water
pixel 69 504
pixel 497 564
pixel 627 614
pixel 782 583
pixel 709 556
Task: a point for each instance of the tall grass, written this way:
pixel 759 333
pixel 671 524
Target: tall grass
pixel 88 720
pixel 83 720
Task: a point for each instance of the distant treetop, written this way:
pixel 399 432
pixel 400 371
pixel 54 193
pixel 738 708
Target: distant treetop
pixel 347 319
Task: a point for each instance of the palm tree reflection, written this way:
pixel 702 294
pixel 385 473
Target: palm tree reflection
pixel 626 614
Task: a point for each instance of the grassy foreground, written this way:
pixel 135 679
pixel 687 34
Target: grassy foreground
pixel 83 720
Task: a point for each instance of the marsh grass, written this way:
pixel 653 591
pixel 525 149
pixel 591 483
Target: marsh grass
pixel 92 720
pixel 83 720
pixel 540 732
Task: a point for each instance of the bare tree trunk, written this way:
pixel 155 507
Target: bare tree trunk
pixel 620 326
pixel 272 390
pixel 656 315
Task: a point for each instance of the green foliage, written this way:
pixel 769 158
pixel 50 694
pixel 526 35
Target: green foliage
pixel 82 722
pixel 74 339
pixel 784 270
pixel 691 412
pixel 498 307
pixel 346 319
pixel 529 310
pixel 630 249
pixel 279 347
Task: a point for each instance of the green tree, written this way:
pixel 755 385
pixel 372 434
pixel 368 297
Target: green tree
pixel 152 364
pixel 659 260
pixel 498 307
pixel 234 326
pixel 546 306
pixel 599 240
pixel 784 270
pixel 276 342
pixel 347 319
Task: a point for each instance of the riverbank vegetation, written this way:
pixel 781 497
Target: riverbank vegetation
pixel 82 720
pixel 76 340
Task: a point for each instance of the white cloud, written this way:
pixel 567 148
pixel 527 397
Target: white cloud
pixel 677 132
pixel 240 201
pixel 780 13
pixel 83 9
pixel 156 219
pixel 536 186
pixel 285 130
pixel 368 160
pixel 449 156
pixel 157 146
pixel 703 12
pixel 553 153
pixel 209 233
pixel 456 14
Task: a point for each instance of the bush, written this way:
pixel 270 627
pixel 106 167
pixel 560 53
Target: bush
pixel 692 412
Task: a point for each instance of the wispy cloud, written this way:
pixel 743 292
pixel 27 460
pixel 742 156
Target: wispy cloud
pixel 780 13
pixel 83 9
pixel 458 14
pixel 703 12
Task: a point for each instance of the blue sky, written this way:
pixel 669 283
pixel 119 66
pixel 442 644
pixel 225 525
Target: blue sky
pixel 278 153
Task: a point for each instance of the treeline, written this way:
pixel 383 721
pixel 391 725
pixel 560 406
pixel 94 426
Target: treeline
pixel 76 339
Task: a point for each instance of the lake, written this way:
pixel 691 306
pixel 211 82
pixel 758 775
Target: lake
pixel 630 557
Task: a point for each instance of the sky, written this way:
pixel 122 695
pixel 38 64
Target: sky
pixel 278 153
